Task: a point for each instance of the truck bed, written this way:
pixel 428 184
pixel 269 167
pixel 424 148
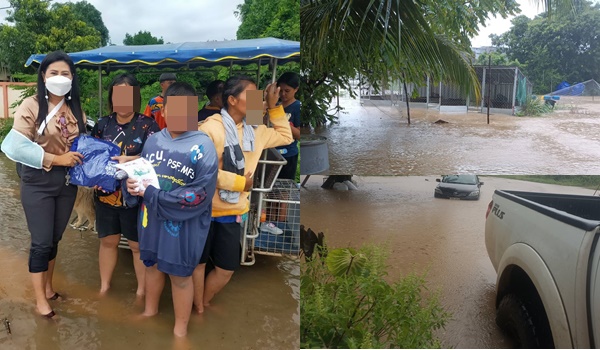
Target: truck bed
pixel 579 211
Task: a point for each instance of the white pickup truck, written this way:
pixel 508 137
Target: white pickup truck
pixel 545 250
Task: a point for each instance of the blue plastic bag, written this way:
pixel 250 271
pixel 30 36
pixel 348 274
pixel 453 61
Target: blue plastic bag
pixel 97 168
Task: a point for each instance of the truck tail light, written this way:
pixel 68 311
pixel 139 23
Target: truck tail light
pixel 489 209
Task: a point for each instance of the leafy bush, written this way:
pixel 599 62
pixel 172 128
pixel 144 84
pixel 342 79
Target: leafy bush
pixel 534 107
pixel 347 303
pixel 5 126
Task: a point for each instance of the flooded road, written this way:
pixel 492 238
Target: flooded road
pixel 375 139
pixel 259 309
pixel 444 238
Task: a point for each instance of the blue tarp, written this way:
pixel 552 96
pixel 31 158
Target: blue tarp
pixel 562 85
pixel 188 54
pixel 573 90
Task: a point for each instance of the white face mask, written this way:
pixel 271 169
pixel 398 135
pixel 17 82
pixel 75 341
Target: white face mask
pixel 58 85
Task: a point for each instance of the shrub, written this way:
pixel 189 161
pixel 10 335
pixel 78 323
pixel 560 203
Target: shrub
pixel 534 107
pixel 5 126
pixel 346 303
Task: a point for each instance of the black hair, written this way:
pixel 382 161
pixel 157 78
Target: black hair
pixel 179 89
pixel 74 103
pixel 131 81
pixel 214 88
pixel 289 78
pixel 234 87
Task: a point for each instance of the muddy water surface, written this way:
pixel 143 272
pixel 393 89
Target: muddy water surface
pixel 375 139
pixel 259 309
pixel 444 238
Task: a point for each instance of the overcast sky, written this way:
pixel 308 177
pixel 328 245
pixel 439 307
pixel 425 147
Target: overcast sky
pixel 499 25
pixel 175 20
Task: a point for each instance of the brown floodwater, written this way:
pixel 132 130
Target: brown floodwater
pixel 259 309
pixel 443 238
pixel 375 139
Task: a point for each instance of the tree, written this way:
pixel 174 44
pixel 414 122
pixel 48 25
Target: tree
pixel 90 15
pixel 142 38
pixel 460 20
pixel 564 47
pixel 264 18
pixel 498 59
pixel 34 27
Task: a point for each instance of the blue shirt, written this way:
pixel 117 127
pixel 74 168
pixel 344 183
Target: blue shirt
pixel 175 218
pixel 292 149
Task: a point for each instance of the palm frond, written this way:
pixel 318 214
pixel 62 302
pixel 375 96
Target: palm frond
pixel 380 37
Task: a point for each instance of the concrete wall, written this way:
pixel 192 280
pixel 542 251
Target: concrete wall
pixel 8 96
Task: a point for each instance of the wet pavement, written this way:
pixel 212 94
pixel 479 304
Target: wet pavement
pixel 259 309
pixel 375 139
pixel 442 237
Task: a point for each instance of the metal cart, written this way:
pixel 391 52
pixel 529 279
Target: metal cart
pixel 275 203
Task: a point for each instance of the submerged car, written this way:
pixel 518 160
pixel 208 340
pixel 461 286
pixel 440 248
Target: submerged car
pixel 458 186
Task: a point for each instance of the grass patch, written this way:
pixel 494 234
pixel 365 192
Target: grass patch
pixel 585 181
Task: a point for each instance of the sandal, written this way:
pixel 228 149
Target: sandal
pixel 55 296
pixel 49 315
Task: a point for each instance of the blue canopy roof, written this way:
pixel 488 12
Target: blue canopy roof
pixel 188 54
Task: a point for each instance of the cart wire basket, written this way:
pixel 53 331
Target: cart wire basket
pixel 273 225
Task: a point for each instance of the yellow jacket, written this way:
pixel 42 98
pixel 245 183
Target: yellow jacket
pixel 279 135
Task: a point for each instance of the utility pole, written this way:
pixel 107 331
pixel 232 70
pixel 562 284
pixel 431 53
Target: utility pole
pixel 489 87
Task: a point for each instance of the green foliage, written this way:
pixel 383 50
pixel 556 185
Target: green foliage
pixel 498 59
pixel 142 38
pixel 5 126
pixel 35 27
pixel 26 91
pixel 552 50
pixel 460 20
pixel 346 302
pixel 87 13
pixel 265 18
pixel 534 107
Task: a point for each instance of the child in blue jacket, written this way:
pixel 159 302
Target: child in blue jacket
pixel 175 218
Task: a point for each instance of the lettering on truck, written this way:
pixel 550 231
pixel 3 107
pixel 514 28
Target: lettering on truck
pixel 496 211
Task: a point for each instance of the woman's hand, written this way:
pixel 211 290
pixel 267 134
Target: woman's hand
pixel 68 159
pixel 99 188
pixel 272 95
pixel 133 187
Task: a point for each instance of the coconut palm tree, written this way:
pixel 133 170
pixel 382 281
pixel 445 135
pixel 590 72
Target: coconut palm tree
pixel 384 38
pixel 379 37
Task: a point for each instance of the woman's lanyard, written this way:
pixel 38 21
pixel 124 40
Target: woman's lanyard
pixel 49 117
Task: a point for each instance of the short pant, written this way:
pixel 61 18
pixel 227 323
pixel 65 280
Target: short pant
pixel 113 220
pixel 223 245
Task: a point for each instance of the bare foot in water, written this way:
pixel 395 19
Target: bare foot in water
pixel 181 343
pixel 104 291
pixel 199 309
pixel 139 300
pixel 143 316
pixel 180 332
